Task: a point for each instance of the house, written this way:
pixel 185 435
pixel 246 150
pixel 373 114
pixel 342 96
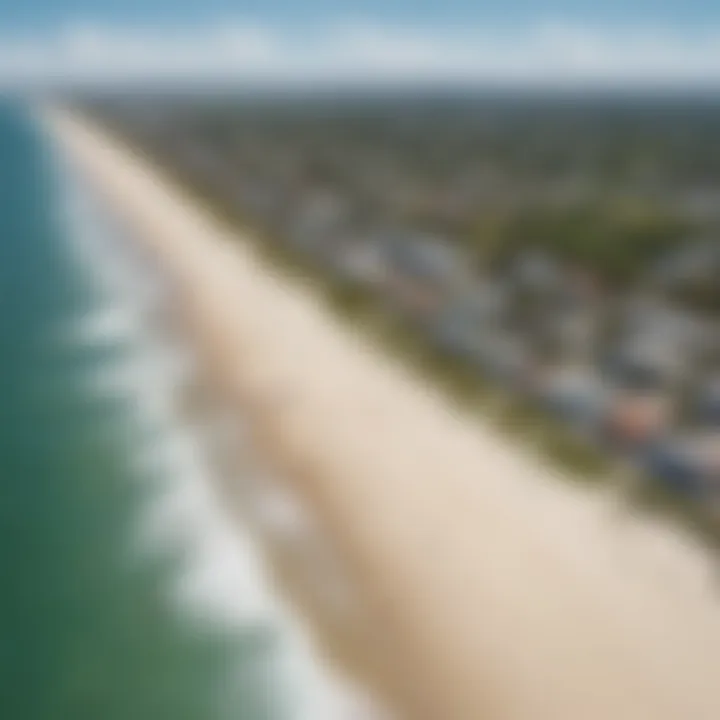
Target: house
pixel 689 463
pixel 696 260
pixel 704 448
pixel 487 301
pixel 455 333
pixel 708 402
pixel 360 259
pixel 474 310
pixel 669 462
pixel 536 271
pixel 637 419
pixel 651 360
pixel 423 271
pixel 576 393
pixel 504 357
pixel 426 257
pixel 690 275
pixel 567 332
pixel 319 215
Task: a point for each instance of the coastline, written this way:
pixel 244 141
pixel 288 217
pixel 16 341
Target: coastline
pixel 494 592
pixel 225 582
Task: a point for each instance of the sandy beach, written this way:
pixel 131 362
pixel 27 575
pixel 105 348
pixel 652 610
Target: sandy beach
pixel 490 588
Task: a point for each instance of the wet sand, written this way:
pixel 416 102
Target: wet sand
pixel 488 587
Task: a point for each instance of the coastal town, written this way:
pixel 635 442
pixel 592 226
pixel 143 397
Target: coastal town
pixel 440 526
pixel 566 256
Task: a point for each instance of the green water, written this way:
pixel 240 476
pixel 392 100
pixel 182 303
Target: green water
pixel 88 629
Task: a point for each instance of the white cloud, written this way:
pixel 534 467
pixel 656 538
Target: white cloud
pixel 551 53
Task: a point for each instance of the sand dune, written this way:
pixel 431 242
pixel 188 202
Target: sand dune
pixel 495 590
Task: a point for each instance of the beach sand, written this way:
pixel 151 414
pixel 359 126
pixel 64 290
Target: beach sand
pixel 488 588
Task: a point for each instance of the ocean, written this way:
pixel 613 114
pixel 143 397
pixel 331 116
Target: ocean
pixel 126 593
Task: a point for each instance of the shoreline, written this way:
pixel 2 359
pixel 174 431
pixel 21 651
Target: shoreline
pixel 267 518
pixel 550 623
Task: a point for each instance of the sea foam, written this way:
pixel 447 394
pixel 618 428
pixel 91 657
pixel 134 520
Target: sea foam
pixel 221 580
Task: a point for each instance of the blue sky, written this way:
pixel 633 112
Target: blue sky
pixel 24 15
pixel 527 41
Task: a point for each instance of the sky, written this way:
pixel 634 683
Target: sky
pixel 682 14
pixel 529 41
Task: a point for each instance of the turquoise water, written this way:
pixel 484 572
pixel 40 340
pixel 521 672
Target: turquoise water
pixel 89 612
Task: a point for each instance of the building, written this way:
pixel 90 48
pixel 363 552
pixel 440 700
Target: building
pixel 424 271
pixel 576 393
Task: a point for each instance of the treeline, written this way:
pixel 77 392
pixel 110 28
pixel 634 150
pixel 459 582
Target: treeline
pixel 615 241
